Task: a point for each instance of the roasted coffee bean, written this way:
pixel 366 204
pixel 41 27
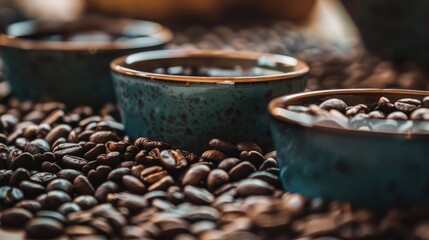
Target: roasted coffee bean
pixel 104 189
pixel 83 186
pixel 197 195
pixel 74 162
pixel 202 226
pixel 68 174
pixel 99 175
pixel 195 175
pixel 420 114
pixel 253 157
pixel 147 144
pixel 118 173
pixel 333 103
pixel 268 163
pixel 43 228
pixel 132 202
pixel 39 159
pixel 216 178
pixel 173 159
pixel 15 217
pixel 19 175
pixel 133 184
pixel 69 207
pixel 117 146
pixel 80 230
pixel 51 214
pixel 85 202
pixel 61 130
pixel 397 116
pixel 241 171
pixel 50 167
pixel 228 163
pixel 30 205
pixel 103 137
pixel 23 160
pixel 270 178
pixel 251 187
pixel 72 149
pixel 111 159
pixel 222 146
pixel 92 165
pixel 407 104
pixel 62 185
pixel 162 183
pixel 43 177
pixel 152 174
pixel 31 188
pixel 10 195
pixel 5 176
pixel 53 199
pixel 214 156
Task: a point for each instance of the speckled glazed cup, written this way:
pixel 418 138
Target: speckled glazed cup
pixel 375 169
pixel 187 111
pixel 73 72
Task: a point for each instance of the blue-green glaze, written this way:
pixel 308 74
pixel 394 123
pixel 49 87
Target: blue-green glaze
pixel 366 169
pixel 72 77
pixel 189 114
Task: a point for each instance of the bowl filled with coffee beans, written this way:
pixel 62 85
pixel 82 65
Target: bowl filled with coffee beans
pixel 186 97
pixel 69 61
pixel 367 146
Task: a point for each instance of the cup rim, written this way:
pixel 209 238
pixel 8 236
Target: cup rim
pixel 119 65
pixel 160 36
pixel 276 110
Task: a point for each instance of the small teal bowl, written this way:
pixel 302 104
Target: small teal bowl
pixel 187 111
pixel 374 169
pixel 40 65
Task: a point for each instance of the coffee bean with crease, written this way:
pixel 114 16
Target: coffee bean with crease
pixel 241 170
pixel 198 196
pixel 95 151
pixel 53 199
pixel 152 174
pixel 50 167
pixel 147 144
pixel 83 186
pixel 17 176
pixel 99 175
pixel 249 146
pixel 162 184
pixel 103 137
pixel 117 174
pixel 173 159
pixel 72 149
pixel 133 184
pixel 195 175
pixel 111 158
pixel 74 162
pixel 253 157
pixel 61 185
pixel 214 156
pixel 5 176
pixel 104 189
pixel 217 178
pixel 407 105
pixel 31 189
pixel 15 217
pixel 23 160
pixel 69 174
pixel 61 130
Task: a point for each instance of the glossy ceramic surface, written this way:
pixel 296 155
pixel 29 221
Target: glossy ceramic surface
pixel 187 111
pixel 366 168
pixel 72 72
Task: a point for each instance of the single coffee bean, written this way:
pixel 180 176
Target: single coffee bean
pixel 55 117
pixel 51 214
pixel 195 175
pixel 228 163
pixel 72 149
pixel 50 167
pixel 61 130
pixel 117 146
pixel 376 115
pixel 265 176
pixel 133 202
pixel 69 207
pixel 53 199
pixel 19 175
pixel 385 105
pixel 253 157
pixel 152 174
pixel 76 231
pixel 43 228
pixel 216 178
pixel 31 188
pixel 425 102
pixel 40 158
pixel 68 174
pixel 241 170
pixel 74 162
pixel 83 186
pixel 99 175
pixel 137 170
pixel 202 213
pixel 162 184
pixel 104 189
pixel 333 103
pixel 214 156
pixel 37 146
pixel 92 165
pixel 197 195
pixel 133 184
pixel 268 163
pixel 103 137
pixel 23 160
pixel 272 154
pixel 407 104
pixel 30 205
pixel 15 217
pixel 62 185
pixel 420 114
pixel 397 116
pixel 85 202
pixel 95 151
pixel 43 177
pixel 173 159
pixel 9 196
pixel 118 173
pixel 147 144
pixel 110 159
pixel 249 187
pixel 222 146
pixel 5 176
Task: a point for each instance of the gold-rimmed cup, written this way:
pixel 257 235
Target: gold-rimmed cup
pixel 380 167
pixel 68 61
pixel 188 97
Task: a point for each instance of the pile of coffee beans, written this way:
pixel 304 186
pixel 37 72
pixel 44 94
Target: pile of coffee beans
pixel 75 173
pixel 406 115
pixel 331 66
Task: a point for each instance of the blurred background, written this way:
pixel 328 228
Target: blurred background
pixel 349 43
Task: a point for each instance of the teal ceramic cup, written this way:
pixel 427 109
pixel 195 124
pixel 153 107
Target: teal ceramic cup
pixel 188 97
pixel 367 168
pixel 69 61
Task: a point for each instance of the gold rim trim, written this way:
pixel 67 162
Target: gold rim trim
pixel 277 110
pixel 164 36
pixel 119 65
